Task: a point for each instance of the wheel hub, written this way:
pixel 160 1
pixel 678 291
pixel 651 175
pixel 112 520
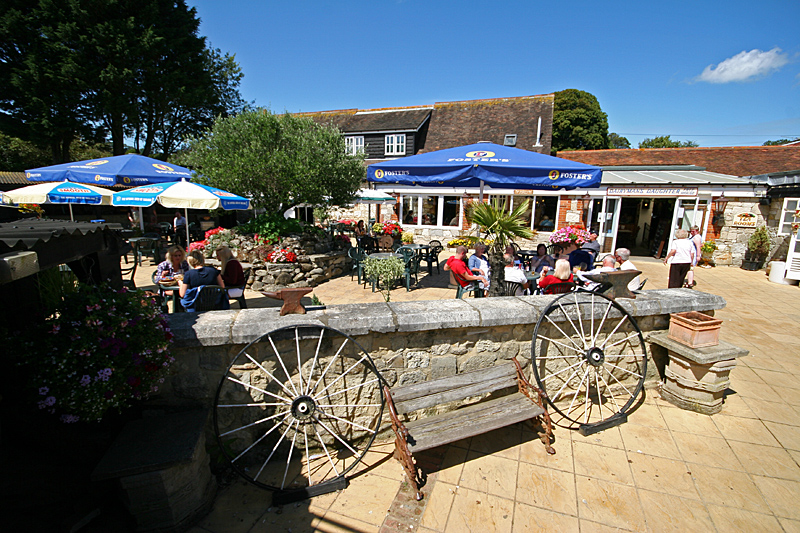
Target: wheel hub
pixel 595 356
pixel 303 407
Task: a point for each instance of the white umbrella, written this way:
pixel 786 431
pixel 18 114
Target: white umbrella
pixel 372 196
pixel 64 192
pixel 181 194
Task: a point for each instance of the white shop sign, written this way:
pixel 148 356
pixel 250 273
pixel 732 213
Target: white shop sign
pixel 651 191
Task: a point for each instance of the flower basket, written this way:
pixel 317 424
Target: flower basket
pixel 570 235
pixel 695 330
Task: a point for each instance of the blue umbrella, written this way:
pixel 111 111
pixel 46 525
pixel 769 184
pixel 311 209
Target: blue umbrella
pixel 486 164
pixel 180 194
pixel 59 193
pixel 129 169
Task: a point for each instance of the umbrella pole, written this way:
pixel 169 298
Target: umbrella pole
pixel 71 218
pixel 478 228
pixel 141 220
pixel 186 216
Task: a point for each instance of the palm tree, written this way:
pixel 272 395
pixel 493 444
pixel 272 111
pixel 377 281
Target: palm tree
pixel 501 226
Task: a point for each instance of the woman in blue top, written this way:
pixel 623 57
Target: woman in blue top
pixel 200 274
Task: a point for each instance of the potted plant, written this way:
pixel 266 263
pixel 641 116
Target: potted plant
pixel 758 248
pixel 707 251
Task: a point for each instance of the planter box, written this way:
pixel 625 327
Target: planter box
pixel 748 264
pixel 694 329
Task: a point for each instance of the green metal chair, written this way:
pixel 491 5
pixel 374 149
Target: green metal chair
pixel 471 286
pixel 357 255
pixel 432 255
pixel 411 261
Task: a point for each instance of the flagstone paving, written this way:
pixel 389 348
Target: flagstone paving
pixel 666 469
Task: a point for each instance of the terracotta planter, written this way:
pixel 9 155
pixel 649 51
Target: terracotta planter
pixel 694 329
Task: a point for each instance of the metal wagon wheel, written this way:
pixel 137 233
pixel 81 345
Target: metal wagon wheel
pixel 589 357
pixel 298 408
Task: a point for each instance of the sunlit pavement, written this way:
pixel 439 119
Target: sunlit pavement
pixel 666 469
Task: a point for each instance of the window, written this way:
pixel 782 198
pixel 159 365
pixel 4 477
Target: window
pixel 430 210
pixel 410 210
pixel 544 217
pixel 354 144
pixel 451 211
pixel 510 139
pixel 396 144
pixel 790 205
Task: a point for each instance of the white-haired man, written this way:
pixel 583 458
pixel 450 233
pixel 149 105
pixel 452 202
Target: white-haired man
pixel 608 266
pixel 623 256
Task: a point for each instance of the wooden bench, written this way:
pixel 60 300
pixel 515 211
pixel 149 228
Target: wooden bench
pixel 475 419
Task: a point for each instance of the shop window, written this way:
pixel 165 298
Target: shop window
pixel 430 210
pixel 410 210
pixel 451 211
pixel 545 214
pixel 790 205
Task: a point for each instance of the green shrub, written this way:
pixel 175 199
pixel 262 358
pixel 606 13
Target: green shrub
pixel 386 271
pixel 270 227
pixel 759 243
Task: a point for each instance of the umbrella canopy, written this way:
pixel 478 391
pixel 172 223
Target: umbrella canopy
pixel 497 166
pixel 371 196
pixel 59 193
pixel 180 194
pixel 129 169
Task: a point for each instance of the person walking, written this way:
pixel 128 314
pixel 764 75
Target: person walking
pixel 681 256
pixel 697 240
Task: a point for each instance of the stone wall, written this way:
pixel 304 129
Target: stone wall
pixel 410 342
pixel 732 241
pixel 309 271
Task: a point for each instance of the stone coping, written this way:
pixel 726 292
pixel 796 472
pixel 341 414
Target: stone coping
pixel 704 356
pixel 217 328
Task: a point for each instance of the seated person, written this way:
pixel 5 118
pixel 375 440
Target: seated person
pixel 458 266
pixel 542 259
pixel 608 266
pixel 624 259
pixel 514 274
pixel 578 258
pixel 479 264
pixel 560 274
pixel 592 246
pixel 174 265
pixel 513 253
pixel 232 273
pixel 546 224
pixel 198 276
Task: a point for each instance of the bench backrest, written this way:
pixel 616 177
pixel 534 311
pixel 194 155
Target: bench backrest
pixel 429 393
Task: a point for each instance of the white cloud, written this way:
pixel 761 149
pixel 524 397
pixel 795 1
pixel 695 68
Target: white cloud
pixel 744 66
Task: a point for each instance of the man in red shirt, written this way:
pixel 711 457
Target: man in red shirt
pixel 457 264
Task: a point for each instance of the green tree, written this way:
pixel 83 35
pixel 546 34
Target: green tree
pixel 501 226
pixel 17 155
pixel 578 122
pixel 124 68
pixel 618 141
pixel 665 142
pixel 779 142
pixel 278 161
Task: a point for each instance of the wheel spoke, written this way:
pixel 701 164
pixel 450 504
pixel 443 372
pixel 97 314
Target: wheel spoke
pixel 299 364
pixel 273 428
pixel 610 393
pixel 308 456
pixel 348 388
pixel 314 362
pixel 343 374
pixel 608 337
pixel 247 385
pixel 575 329
pixel 262 404
pixel 560 344
pixel 564 385
pixel 274 448
pixel 327 453
pixel 577 390
pixel 280 360
pixel 580 321
pixel 602 323
pixel 634 374
pixel 578 348
pixel 359 426
pixel 335 435
pixel 316 384
pixel 629 337
pixel 554 374
pixel 257 422
pixel 350 405
pixel 267 372
pixel 291 450
pixel 621 384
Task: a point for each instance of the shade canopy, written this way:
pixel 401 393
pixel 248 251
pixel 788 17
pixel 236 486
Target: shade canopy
pixel 181 194
pixel 500 167
pixel 129 169
pixel 371 196
pixel 59 193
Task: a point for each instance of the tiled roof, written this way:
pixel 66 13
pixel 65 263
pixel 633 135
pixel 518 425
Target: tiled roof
pixel 389 119
pixel 734 160
pixel 466 122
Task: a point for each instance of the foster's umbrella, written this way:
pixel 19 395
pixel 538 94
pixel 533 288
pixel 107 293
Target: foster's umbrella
pixel 129 169
pixel 480 164
pixel 59 193
pixel 181 194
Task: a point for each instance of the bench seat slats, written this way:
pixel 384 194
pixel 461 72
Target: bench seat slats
pixel 466 391
pixel 433 431
pixel 410 392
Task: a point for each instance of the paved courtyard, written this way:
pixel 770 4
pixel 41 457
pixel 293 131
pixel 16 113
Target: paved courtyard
pixel 666 469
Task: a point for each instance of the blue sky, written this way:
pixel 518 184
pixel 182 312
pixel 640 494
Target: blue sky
pixel 718 73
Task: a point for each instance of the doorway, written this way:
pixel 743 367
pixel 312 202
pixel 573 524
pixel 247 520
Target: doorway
pixel 658 231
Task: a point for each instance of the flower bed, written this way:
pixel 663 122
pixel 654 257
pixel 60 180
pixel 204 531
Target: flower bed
pixel 282 256
pixel 387 228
